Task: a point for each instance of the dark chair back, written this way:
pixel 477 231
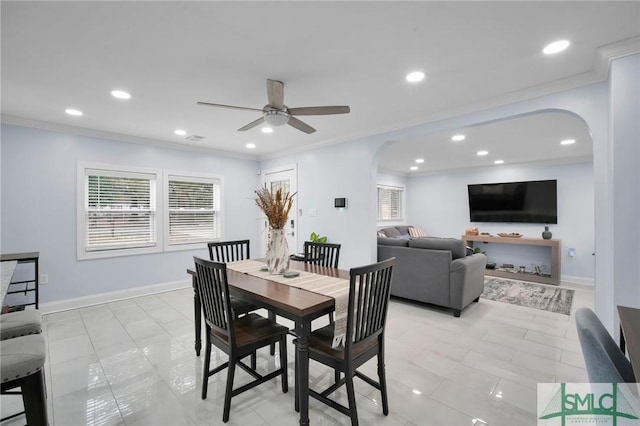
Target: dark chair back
pixel 213 290
pixel 323 254
pixel 369 291
pixel 604 360
pixel 229 251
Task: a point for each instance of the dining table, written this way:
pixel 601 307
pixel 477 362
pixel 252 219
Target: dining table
pixel 296 304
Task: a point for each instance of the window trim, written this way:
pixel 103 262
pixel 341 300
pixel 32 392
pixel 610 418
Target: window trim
pixel 165 207
pixel 401 206
pixel 81 200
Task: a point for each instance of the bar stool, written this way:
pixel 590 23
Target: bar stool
pixel 21 323
pixel 22 365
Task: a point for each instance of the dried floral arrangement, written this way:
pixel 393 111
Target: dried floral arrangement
pixel 275 207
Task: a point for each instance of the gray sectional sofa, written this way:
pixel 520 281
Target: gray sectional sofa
pixel 433 270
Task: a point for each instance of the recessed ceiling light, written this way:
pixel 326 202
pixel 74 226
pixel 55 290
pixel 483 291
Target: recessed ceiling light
pixel 415 76
pixel 250 145
pixel 180 132
pixel 555 47
pixel 73 112
pixel 120 94
pixel 419 160
pixel 267 130
pixel 482 153
pixel 413 168
pixel 568 142
pixel 498 162
pixel 457 138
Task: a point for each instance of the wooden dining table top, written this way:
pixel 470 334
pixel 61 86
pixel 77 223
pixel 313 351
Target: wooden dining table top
pixel 296 301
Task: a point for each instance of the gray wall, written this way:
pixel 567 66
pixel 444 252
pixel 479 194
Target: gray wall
pixel 39 208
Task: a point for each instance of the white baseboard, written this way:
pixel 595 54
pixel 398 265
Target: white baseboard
pixel 112 296
pixel 577 280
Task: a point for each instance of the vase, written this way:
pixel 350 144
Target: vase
pixel 277 252
pixel 546 234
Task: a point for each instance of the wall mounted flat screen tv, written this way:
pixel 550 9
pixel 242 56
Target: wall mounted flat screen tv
pixel 517 202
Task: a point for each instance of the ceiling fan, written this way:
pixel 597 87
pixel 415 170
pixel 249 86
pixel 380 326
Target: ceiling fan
pixel 276 113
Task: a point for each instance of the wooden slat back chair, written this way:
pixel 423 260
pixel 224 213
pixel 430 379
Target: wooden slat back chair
pixel 323 254
pixel 237 337
pixel 369 289
pixel 232 251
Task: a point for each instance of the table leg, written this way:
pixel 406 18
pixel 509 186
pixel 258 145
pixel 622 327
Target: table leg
pixel 197 316
pixel 303 329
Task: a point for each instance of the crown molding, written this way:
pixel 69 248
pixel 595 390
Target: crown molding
pixel 83 131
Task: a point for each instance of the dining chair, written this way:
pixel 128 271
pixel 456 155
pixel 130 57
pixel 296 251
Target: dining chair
pixel 604 360
pixel 323 254
pixel 232 251
pixel 237 337
pixel 369 288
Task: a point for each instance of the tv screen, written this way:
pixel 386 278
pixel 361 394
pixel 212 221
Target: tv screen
pixel 518 202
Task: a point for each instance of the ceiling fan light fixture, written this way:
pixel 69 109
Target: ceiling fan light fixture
pixel 276 117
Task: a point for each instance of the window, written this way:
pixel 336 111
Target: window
pixel 193 209
pixel 118 212
pixel 127 211
pixel 389 203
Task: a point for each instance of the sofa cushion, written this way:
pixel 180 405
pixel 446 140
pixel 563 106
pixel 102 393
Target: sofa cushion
pixel 391 232
pixel 455 246
pixel 404 229
pixel 417 232
pixel 393 242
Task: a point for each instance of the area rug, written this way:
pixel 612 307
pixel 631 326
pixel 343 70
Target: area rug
pixel 537 296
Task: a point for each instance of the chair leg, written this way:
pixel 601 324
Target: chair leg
pixel 382 378
pixel 336 375
pixel 351 396
pixel 229 390
pixel 283 363
pixel 207 364
pixel 34 399
pixel 272 347
pixel 253 360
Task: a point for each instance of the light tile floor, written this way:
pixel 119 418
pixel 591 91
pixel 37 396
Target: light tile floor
pixel 132 362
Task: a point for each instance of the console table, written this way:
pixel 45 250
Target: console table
pixel 554 245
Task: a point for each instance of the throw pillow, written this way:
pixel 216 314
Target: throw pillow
pixel 417 232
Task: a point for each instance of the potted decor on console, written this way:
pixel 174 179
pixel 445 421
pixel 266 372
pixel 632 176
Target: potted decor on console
pixel 276 207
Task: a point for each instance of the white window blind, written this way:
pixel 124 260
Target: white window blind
pixel 193 209
pixel 120 210
pixel 389 203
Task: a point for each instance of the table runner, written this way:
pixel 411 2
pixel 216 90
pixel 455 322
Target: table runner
pixel 338 288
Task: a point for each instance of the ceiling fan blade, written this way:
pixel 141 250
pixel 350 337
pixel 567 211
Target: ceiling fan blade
pixel 300 125
pixel 275 93
pixel 227 106
pixel 252 124
pixel 320 110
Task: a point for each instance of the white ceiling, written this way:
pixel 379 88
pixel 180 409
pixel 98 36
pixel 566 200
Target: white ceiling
pixel 169 55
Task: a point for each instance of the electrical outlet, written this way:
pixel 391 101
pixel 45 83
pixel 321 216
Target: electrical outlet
pixel 44 279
